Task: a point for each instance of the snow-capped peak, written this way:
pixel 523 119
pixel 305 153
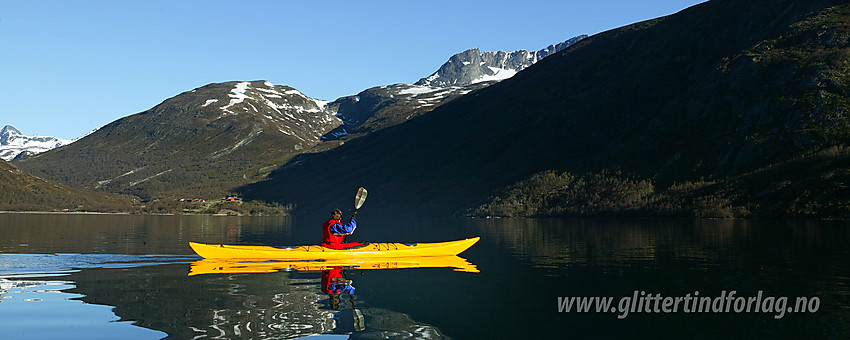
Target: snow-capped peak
pixel 473 66
pixel 13 143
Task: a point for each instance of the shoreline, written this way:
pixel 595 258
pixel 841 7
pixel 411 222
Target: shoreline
pixel 117 213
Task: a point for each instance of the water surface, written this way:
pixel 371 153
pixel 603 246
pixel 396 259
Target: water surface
pixel 81 276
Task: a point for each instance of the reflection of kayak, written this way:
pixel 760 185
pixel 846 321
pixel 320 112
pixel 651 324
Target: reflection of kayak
pixel 231 266
pixel 371 250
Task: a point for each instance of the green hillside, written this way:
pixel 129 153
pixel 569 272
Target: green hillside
pixel 201 143
pixel 23 192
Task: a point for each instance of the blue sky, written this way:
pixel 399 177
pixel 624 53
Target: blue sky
pixel 69 67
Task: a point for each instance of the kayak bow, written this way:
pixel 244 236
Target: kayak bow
pixel 371 250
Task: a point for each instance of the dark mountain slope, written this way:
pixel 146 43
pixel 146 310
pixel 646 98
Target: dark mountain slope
pixel 681 98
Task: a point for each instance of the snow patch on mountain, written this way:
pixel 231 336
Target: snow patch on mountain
pixel 237 96
pixel 426 96
pixel 416 90
pixel 281 109
pixel 13 143
pixel 499 74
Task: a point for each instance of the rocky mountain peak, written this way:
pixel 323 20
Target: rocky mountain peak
pixel 7 133
pixel 473 66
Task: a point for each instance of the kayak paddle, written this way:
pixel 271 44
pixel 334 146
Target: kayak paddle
pixel 358 200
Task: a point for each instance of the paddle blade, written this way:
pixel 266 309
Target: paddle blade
pixel 360 198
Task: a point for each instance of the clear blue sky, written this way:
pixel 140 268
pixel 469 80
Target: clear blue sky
pixel 68 67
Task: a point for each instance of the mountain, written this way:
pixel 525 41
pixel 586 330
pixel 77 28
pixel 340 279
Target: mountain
pixel 210 140
pixel 206 141
pixel 200 143
pixel 472 66
pixel 384 106
pixel 727 108
pixel 14 144
pixel 23 192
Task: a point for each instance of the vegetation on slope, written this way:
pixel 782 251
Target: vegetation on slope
pixel 808 186
pixel 22 192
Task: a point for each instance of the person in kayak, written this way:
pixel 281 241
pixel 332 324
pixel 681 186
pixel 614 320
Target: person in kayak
pixel 333 232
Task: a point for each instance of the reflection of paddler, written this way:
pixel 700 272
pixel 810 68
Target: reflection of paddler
pixel 333 283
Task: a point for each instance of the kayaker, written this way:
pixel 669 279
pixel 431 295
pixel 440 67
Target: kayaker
pixel 333 231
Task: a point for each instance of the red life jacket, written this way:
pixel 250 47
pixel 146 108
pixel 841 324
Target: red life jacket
pixel 327 236
pixel 329 240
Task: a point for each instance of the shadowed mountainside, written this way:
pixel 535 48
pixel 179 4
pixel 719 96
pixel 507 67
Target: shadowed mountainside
pixel 724 104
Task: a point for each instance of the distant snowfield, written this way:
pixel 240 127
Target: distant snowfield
pixel 499 75
pixel 420 90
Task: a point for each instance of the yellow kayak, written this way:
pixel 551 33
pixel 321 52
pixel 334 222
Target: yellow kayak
pixel 371 250
pixel 231 266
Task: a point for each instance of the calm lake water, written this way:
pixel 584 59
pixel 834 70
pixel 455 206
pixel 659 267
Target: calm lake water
pixel 127 277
